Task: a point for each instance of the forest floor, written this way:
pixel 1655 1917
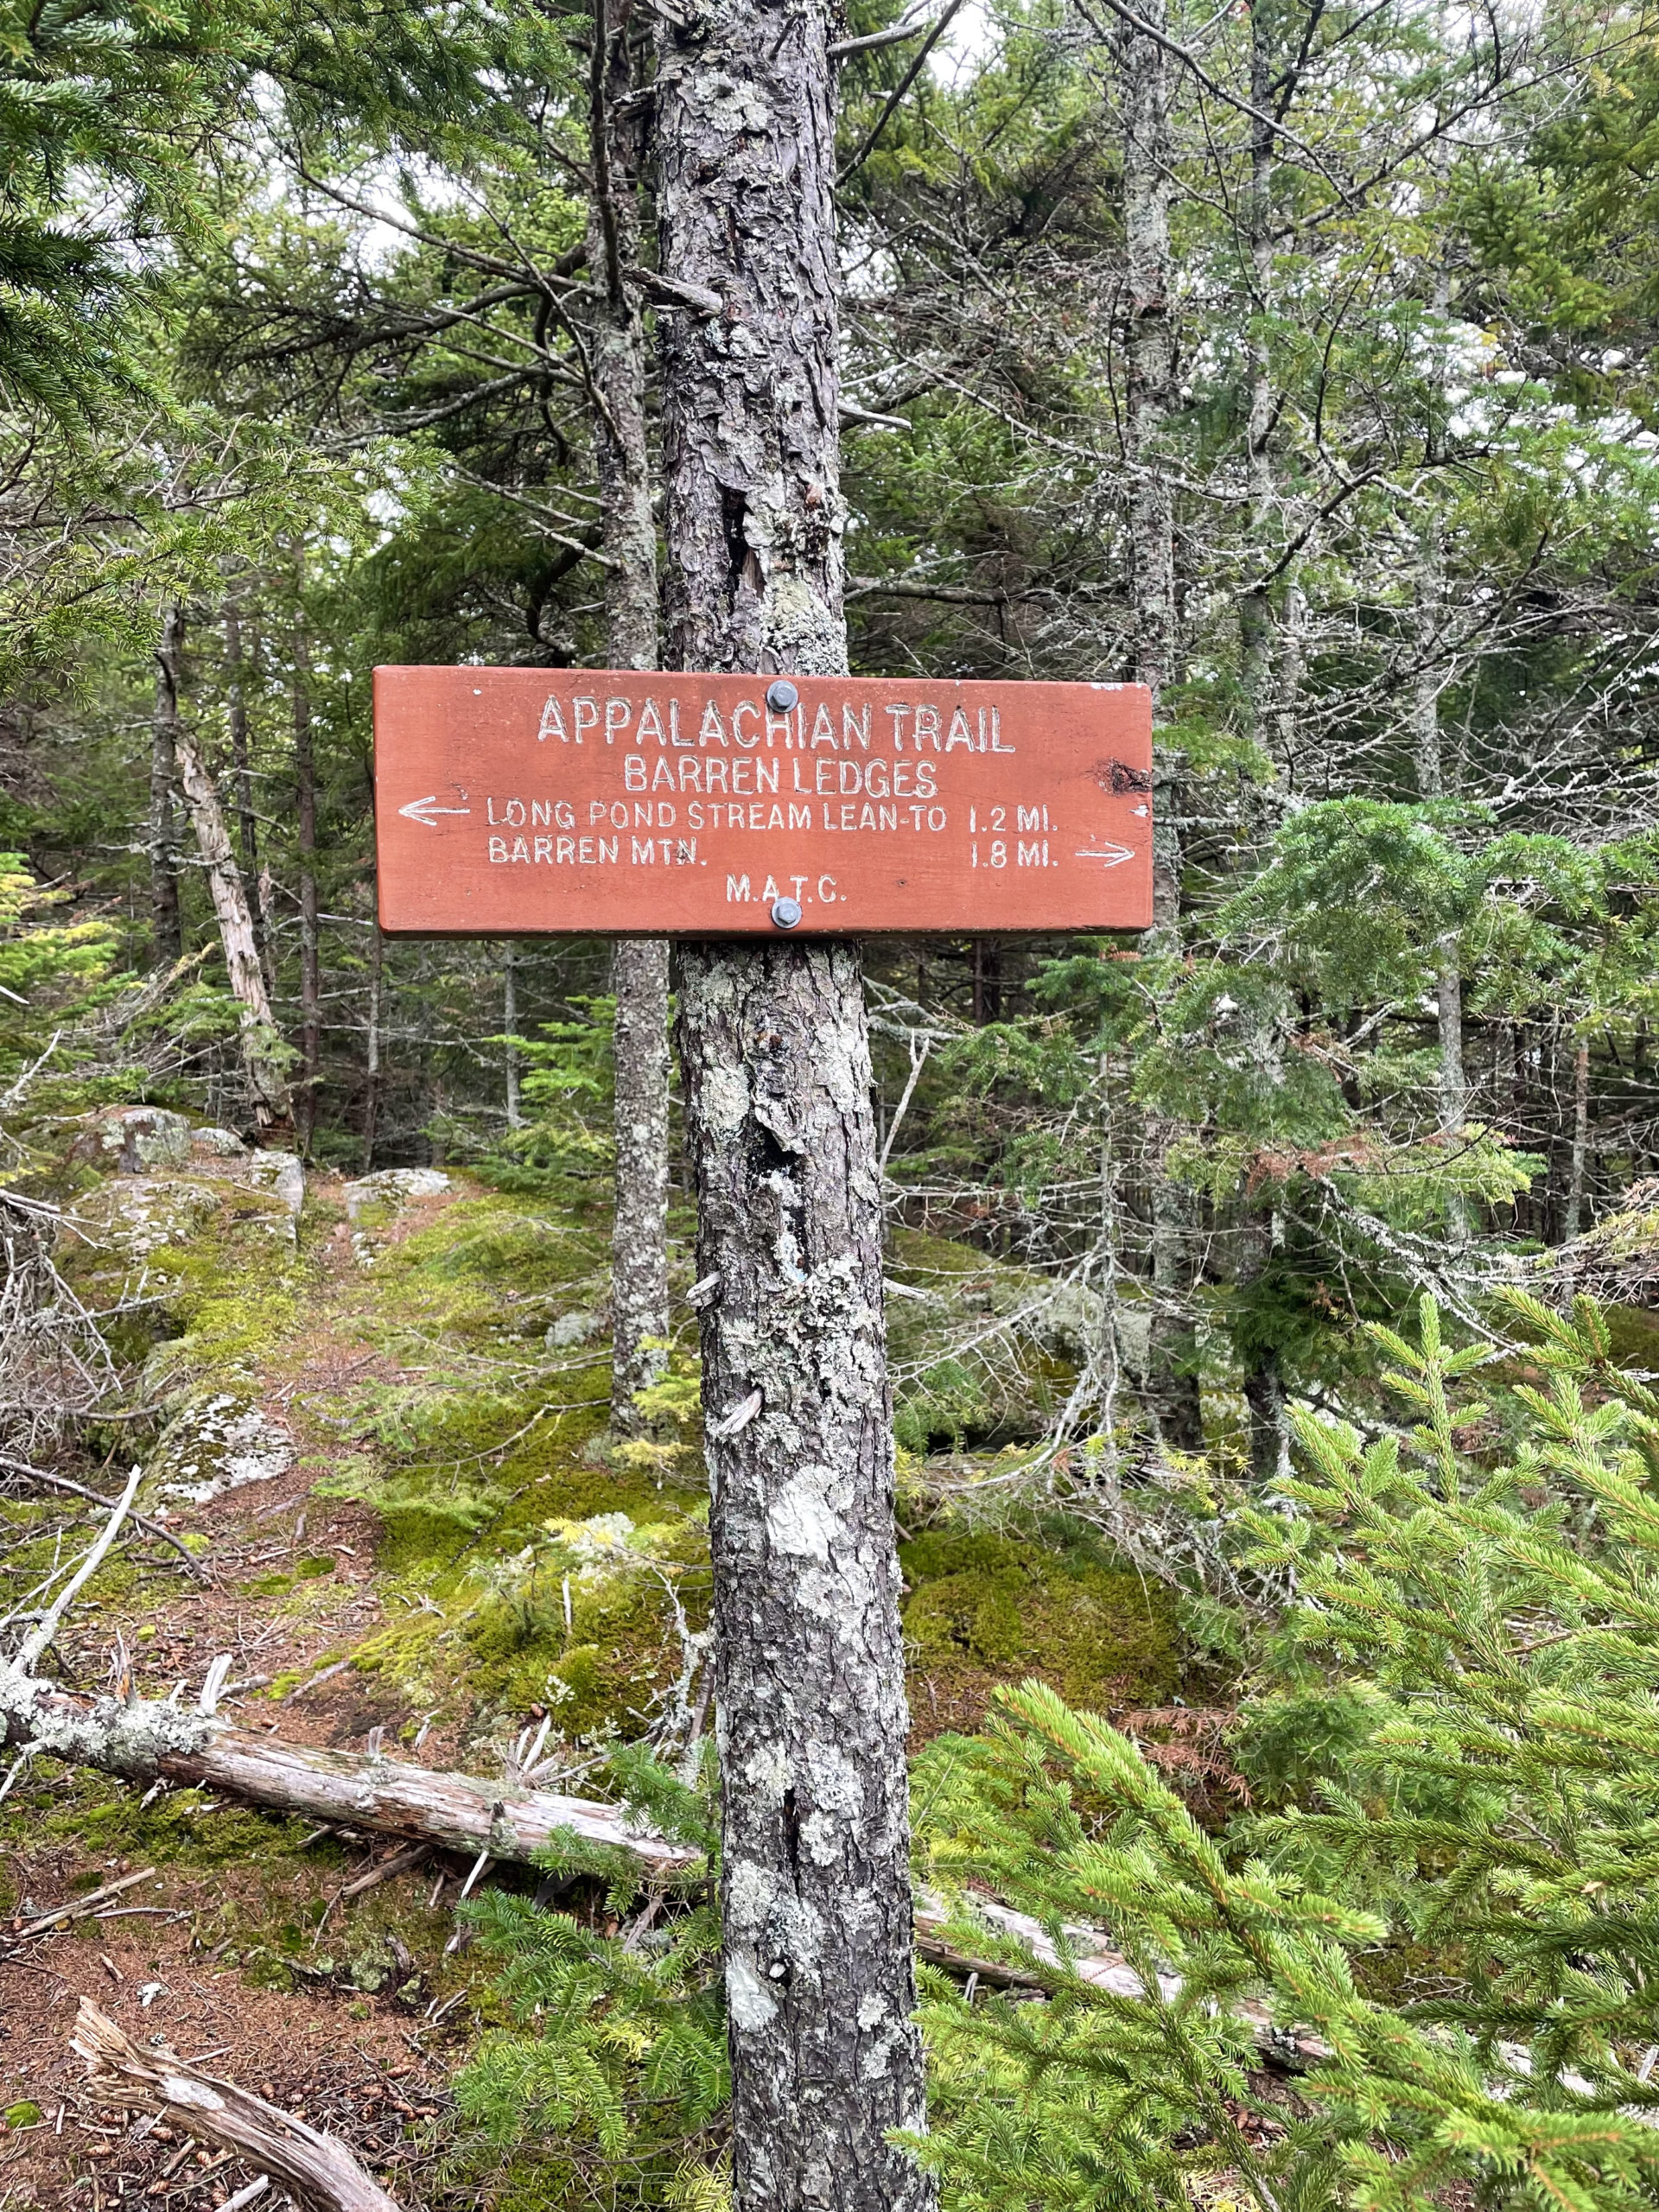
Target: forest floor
pixel 379 1422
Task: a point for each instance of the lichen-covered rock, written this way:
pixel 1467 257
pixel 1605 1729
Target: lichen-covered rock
pixel 374 1201
pixel 219 1441
pixel 280 1176
pixel 218 1144
pixel 140 1218
pixel 392 1188
pixel 133 1140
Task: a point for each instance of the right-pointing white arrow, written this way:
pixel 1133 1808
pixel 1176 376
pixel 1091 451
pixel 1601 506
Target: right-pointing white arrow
pixel 1110 856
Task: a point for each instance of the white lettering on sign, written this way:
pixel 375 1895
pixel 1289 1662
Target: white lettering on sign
pixel 750 726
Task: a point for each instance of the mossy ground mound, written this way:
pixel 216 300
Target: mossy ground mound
pixel 985 1606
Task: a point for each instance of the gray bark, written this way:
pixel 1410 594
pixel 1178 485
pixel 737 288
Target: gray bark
pixel 1581 1159
pixel 1147 161
pixel 639 1317
pixel 236 931
pixel 640 1238
pixel 1428 600
pixel 241 762
pixel 1269 700
pixel 809 1653
pixel 305 772
pixel 775 1055
pixel 752 468
pixel 167 926
pixel 371 1075
pixel 617 347
pixel 1255 611
pixel 510 1023
pixel 1172 1379
pixel 1428 620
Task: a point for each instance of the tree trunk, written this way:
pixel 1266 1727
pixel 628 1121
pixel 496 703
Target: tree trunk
pixel 1574 1216
pixel 167 928
pixel 1172 1379
pixel 510 1023
pixel 639 1317
pixel 241 762
pixel 1269 711
pixel 1261 1236
pixel 621 449
pixel 236 931
pixel 305 772
pixel 1428 599
pixel 372 1073
pixel 358 1790
pixel 1452 1086
pixel 775 1052
pixel 639 1239
pixel 1255 608
pixel 1148 157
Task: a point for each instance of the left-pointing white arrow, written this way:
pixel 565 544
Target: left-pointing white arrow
pixel 424 809
pixel 1112 855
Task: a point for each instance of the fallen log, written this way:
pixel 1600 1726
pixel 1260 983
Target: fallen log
pixel 318 2168
pixel 145 1741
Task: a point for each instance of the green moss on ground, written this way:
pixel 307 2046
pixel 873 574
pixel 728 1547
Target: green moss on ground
pixel 1012 1606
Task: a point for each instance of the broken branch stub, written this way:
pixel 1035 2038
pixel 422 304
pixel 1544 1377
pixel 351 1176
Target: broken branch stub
pixel 156 2080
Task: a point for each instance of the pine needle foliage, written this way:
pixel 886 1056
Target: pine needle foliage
pixel 1486 1627
pixel 612 2071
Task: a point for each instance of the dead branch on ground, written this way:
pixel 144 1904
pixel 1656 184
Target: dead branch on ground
pixel 318 2167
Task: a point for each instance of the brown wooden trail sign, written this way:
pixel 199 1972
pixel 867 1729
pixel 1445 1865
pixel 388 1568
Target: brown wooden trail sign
pixel 517 802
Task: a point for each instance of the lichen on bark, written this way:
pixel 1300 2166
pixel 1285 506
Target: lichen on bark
pixel 810 1658
pixel 775 1060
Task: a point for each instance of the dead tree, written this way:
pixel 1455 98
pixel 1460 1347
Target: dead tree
pixel 236 716
pixel 167 926
pixel 775 1060
pixel 237 935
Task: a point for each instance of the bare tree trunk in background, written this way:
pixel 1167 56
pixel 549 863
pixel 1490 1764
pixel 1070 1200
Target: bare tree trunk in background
pixel 621 449
pixel 1574 1216
pixel 247 822
pixel 372 1078
pixel 1428 599
pixel 247 977
pixel 1172 1393
pixel 305 772
pixel 1428 605
pixel 510 1023
pixel 166 927
pixel 816 1898
pixel 1255 607
pixel 1267 681
pixel 640 1318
